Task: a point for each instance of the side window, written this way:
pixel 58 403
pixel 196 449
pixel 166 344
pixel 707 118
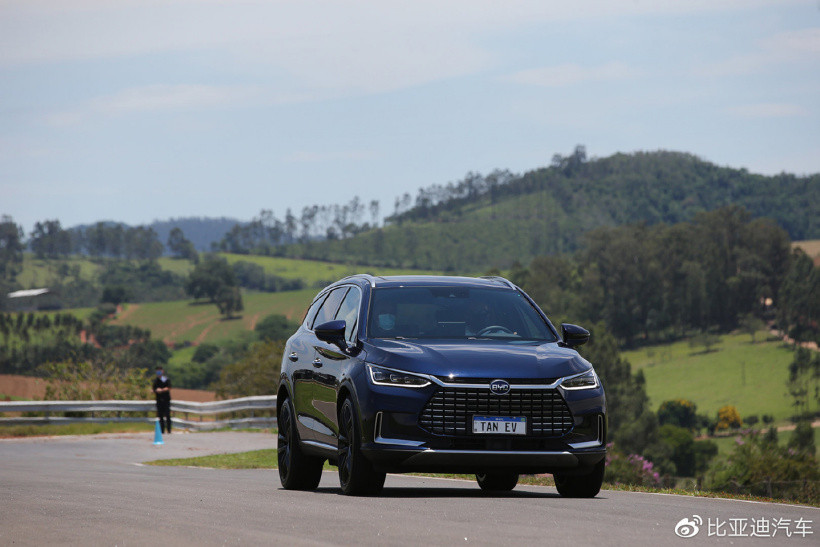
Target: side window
pixel 311 312
pixel 349 311
pixel 329 307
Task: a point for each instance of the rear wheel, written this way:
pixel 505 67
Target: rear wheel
pixel 297 471
pixel 581 486
pixel 356 474
pixel 497 482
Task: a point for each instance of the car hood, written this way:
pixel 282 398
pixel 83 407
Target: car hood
pixel 477 358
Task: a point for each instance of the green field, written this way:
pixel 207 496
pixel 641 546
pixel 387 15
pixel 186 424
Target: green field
pixel 197 322
pixel 750 376
pixel 312 272
pixel 726 445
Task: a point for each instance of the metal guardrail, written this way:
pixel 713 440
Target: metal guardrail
pixel 251 404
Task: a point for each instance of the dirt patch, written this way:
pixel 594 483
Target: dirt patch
pixel 26 387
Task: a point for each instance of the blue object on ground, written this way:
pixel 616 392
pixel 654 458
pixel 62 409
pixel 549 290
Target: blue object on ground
pixel 158 434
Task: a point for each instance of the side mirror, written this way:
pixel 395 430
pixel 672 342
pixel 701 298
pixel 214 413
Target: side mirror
pixel 332 332
pixel 574 335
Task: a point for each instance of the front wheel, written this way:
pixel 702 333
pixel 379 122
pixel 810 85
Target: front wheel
pixel 356 474
pixel 297 471
pixel 581 486
pixel 497 482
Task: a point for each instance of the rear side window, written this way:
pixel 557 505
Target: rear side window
pixel 328 310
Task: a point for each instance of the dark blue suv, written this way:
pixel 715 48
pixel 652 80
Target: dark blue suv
pixel 437 374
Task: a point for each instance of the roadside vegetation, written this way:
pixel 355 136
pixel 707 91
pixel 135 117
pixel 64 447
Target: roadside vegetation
pixel 267 459
pixel 49 430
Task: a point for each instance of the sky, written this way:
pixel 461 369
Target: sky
pixel 143 110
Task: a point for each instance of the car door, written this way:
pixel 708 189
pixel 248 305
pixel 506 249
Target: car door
pixel 300 352
pixel 330 361
pixel 307 414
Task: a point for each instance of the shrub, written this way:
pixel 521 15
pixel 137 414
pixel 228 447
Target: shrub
pixel 728 418
pixel 758 466
pixel 630 469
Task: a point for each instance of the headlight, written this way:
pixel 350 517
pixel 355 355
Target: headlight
pixel 389 377
pixel 585 380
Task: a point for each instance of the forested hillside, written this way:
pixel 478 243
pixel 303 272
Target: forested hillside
pixel 495 220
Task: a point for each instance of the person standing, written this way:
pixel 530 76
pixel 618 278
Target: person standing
pixel 162 389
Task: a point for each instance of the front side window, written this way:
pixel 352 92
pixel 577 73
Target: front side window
pixel 455 313
pixel 349 312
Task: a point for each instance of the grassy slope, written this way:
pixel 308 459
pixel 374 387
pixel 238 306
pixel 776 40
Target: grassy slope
pixel 183 320
pixel 726 445
pixel 750 376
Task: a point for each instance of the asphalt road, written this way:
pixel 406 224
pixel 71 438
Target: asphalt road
pixel 93 490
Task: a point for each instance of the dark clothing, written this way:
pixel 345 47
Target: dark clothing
pixel 163 402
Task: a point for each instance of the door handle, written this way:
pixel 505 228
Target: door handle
pixel 293 356
pixel 317 363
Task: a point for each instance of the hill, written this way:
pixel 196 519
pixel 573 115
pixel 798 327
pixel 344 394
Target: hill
pixel 750 376
pixel 183 321
pixel 492 221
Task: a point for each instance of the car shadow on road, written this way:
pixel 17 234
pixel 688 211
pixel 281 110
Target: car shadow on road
pixel 438 492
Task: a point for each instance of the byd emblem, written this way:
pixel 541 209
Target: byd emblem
pixel 499 387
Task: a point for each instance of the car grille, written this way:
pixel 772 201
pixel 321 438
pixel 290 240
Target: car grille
pixel 450 410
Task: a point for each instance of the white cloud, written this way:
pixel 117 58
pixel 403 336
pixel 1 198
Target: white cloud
pixel 172 97
pixel 354 46
pixel 571 74
pixel 798 46
pixel 305 156
pixel 155 98
pixel 767 110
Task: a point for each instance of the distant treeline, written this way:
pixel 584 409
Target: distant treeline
pixel 497 219
pixel 659 282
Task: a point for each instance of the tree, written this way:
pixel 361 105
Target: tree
pixel 274 327
pixel 804 380
pixel 229 301
pixel 11 248
pixel 182 247
pixel 680 412
pixel 142 243
pixel 209 278
pixel 728 417
pixel 49 240
pixel 115 294
pixel 798 305
pixel 255 374
pixel 803 438
pixel 751 325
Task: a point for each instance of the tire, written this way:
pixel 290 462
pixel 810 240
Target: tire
pixel 497 482
pixel 581 486
pixel 356 474
pixel 297 471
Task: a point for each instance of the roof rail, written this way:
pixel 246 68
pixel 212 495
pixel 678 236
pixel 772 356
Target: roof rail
pixel 370 278
pixel 500 279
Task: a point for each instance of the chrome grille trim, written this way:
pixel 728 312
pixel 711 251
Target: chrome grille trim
pixel 450 410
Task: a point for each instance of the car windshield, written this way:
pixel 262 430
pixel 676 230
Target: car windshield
pixel 455 313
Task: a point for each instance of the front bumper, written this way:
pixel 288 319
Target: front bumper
pixel 403 459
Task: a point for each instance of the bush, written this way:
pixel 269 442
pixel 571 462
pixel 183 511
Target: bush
pixel 758 466
pixel 802 439
pixel 679 412
pixel 630 469
pixel 728 418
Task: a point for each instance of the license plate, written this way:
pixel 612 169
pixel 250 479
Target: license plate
pixel 500 425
